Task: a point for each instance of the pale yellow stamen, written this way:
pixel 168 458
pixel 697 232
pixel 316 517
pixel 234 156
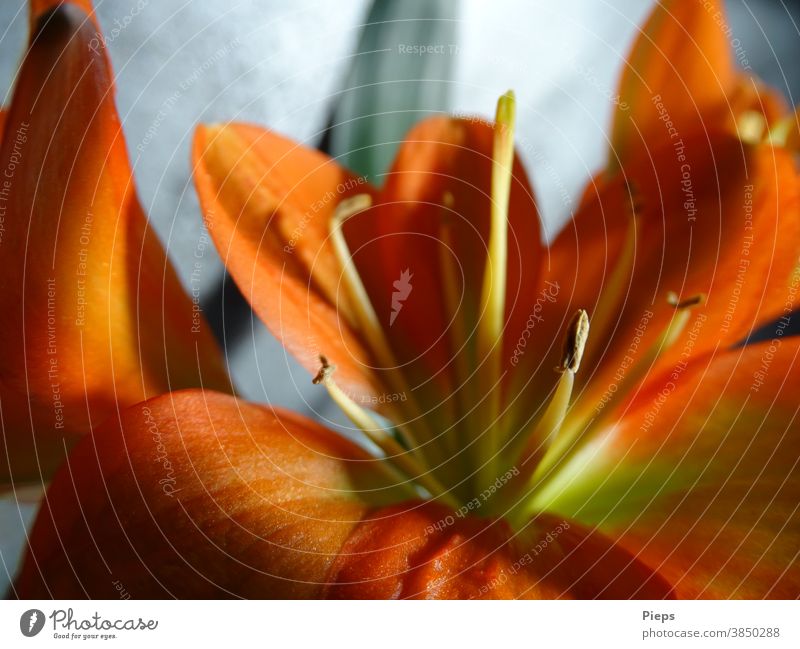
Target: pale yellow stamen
pixel 363 312
pixel 458 331
pixel 634 376
pixel 378 435
pixel 547 429
pixel 493 294
pixel 365 316
pixel 683 311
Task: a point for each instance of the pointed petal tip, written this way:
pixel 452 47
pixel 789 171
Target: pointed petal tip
pixel 213 134
pixel 212 127
pixel 204 132
pixel 55 14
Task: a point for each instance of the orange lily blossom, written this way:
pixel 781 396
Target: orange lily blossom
pixel 659 457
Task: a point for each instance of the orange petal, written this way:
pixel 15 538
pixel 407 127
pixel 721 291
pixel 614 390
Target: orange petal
pixel 738 253
pixel 416 552
pixel 708 455
pixel 730 237
pixel 737 542
pixel 268 203
pixel 676 80
pixel 93 315
pixel 195 494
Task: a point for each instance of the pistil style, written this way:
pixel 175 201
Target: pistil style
pixel 493 295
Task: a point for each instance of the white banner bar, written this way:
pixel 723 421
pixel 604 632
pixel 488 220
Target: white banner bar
pixel 385 625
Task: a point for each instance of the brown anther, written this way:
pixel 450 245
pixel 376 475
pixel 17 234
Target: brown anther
pixel 575 342
pixel 324 372
pixel 695 300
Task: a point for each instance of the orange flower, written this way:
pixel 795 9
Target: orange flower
pixel 657 460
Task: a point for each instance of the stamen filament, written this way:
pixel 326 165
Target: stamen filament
pixel 367 320
pixel 458 332
pixel 548 427
pixel 493 294
pixel 377 434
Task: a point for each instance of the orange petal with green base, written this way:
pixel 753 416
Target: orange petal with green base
pixel 740 541
pixel 700 458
